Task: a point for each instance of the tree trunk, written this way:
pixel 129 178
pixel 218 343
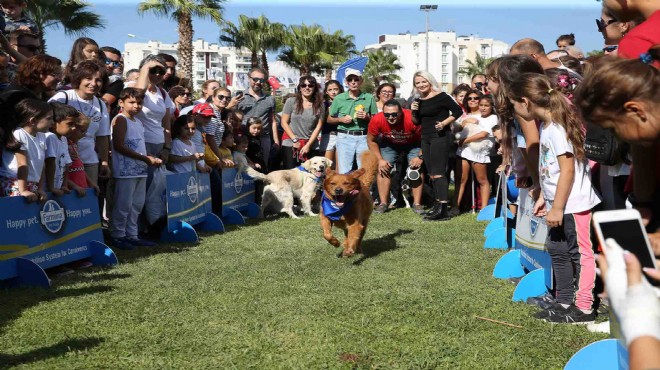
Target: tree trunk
pixel 254 59
pixel 185 48
pixel 264 62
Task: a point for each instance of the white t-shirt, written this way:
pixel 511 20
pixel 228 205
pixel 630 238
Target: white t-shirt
pixel 58 148
pixel 99 124
pixel 553 143
pixel 153 111
pixel 35 150
pixel 181 149
pixel 482 155
pixel 124 167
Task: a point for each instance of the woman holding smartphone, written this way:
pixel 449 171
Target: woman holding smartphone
pixel 435 111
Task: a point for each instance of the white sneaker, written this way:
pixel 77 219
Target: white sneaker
pixel 603 327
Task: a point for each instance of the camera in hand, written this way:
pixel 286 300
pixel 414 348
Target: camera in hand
pixel 479 85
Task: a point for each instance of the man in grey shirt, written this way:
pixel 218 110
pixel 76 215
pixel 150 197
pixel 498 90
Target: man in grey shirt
pixel 255 103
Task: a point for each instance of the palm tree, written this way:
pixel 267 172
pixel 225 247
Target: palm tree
pixel 340 47
pixel 478 66
pixel 72 15
pixel 258 35
pixel 182 11
pixel 381 67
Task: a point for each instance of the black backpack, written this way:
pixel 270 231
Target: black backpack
pixel 602 146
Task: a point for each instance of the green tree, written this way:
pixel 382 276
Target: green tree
pixel 183 11
pixel 478 66
pixel 72 15
pixel 258 35
pixel 339 47
pixel 305 49
pixel 381 67
pixel 595 53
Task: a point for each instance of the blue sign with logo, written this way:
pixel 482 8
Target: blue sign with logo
pixel 531 232
pixel 188 198
pixel 237 190
pixel 61 230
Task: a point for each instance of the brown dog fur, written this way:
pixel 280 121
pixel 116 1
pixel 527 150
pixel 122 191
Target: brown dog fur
pixel 354 222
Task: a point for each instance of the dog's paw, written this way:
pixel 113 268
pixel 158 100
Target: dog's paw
pixel 347 253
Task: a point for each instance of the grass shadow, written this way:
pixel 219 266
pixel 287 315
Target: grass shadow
pixel 374 247
pixel 56 350
pixel 91 275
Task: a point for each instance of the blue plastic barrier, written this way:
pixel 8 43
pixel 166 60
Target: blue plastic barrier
pixel 188 205
pixel 37 236
pixel 238 197
pixel 607 354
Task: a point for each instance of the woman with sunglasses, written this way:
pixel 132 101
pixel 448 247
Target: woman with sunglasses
pixel 613 30
pixel 181 97
pixel 302 119
pixel 157 109
pixel 215 130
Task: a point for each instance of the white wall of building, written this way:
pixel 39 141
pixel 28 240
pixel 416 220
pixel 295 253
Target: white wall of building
pixel 210 60
pixel 447 54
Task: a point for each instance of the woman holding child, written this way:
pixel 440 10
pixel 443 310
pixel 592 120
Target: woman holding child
pixel 302 119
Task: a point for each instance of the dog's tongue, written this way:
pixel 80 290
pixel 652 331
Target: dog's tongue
pixel 354 192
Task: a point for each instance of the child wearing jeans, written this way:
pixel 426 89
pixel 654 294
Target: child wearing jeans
pixel 57 149
pixel 567 197
pixel 129 162
pixel 22 168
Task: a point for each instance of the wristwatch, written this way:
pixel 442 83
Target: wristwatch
pixel 295 140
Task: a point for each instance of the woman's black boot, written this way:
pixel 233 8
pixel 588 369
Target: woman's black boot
pixel 441 213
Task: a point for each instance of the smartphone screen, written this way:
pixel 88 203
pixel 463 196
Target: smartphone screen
pixel 630 236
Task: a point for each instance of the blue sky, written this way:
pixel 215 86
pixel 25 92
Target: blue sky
pixel 507 20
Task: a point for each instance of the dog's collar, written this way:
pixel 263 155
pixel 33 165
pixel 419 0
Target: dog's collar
pixel 303 169
pixel 332 211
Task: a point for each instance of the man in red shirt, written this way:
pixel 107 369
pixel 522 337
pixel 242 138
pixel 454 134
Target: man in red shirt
pixel 392 134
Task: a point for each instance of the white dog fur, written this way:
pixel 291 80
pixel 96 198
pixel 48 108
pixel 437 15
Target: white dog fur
pixel 472 129
pixel 285 185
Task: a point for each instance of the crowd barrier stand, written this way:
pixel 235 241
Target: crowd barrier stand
pixel 189 204
pixel 37 236
pixel 501 231
pixel 238 197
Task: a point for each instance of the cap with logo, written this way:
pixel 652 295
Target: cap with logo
pixel 204 109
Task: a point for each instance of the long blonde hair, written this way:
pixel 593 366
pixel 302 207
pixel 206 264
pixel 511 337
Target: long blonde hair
pixel 428 77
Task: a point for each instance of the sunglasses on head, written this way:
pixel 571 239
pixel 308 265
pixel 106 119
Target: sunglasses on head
pixel 308 86
pixel 114 64
pixel 258 80
pixel 157 71
pixel 31 48
pixel 602 25
pixel 353 79
pixel 388 115
pixel 223 97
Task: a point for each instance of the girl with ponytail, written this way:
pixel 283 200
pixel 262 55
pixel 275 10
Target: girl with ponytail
pixel 567 196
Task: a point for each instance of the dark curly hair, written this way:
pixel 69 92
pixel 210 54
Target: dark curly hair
pixel 87 69
pixel 30 72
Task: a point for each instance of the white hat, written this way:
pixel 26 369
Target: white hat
pixel 352 71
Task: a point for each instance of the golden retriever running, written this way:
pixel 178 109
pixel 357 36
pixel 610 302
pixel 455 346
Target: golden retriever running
pixel 284 185
pixel 347 204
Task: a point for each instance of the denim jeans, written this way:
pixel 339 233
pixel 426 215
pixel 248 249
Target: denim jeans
pixel 348 149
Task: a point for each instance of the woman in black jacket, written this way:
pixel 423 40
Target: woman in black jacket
pixel 435 111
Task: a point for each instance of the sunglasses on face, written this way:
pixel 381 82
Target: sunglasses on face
pixel 258 80
pixel 473 98
pixel 186 94
pixel 30 48
pixel 353 79
pixel 602 25
pixel 307 86
pixel 114 64
pixel 191 128
pixel 157 71
pixel 390 115
pixel 223 97
pixel 611 48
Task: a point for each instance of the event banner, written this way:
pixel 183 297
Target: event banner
pixel 237 190
pixel 531 232
pixel 49 234
pixel 188 198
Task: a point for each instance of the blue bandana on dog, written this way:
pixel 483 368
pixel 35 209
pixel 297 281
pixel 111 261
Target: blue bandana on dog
pixel 303 169
pixel 332 211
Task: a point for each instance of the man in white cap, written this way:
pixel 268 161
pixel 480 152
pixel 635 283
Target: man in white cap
pixel 351 112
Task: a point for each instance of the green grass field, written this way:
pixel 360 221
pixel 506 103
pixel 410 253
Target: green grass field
pixel 275 295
